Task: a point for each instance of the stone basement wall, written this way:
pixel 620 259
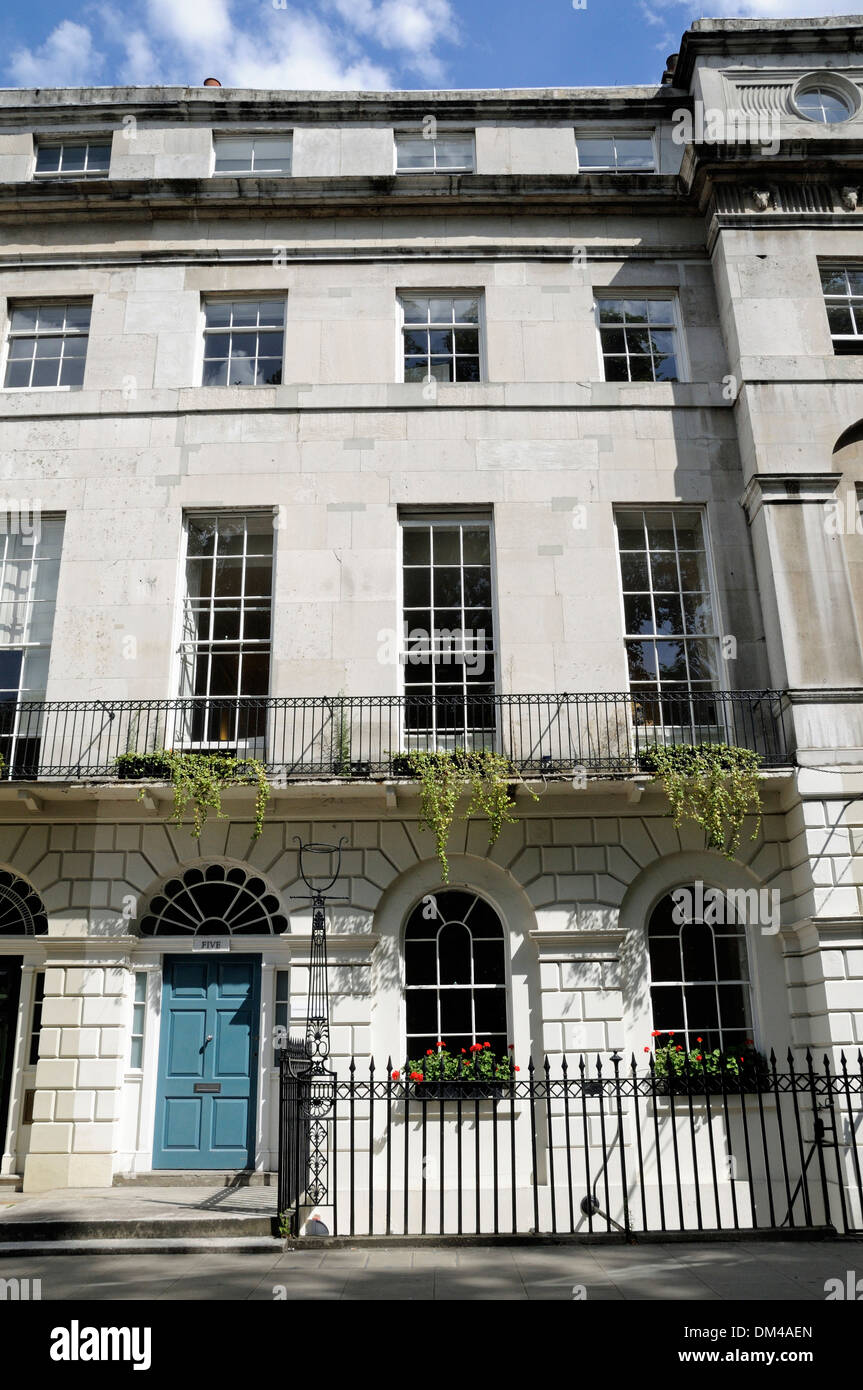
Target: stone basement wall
pixel 79 1075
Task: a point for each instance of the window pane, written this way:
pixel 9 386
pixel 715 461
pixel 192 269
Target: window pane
pixel 415 309
pixel 415 154
pixel 217 313
pixel 416 545
pixel 476 546
pixel 595 152
pixel 48 159
pixel 634 153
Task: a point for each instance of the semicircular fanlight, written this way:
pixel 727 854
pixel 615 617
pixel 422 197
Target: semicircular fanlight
pixel 211 901
pixel 22 911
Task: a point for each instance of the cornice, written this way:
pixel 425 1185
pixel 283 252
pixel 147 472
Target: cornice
pixel 787 489
pixel 742 38
pixel 110 199
pixel 105 107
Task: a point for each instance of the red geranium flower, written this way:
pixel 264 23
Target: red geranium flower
pixel 396 1075
pixel 462 1051
pixel 698 1057
pixel 512 1047
pixel 516 1068
pixel 699 1039
pixel 647 1049
pixel 416 1076
pixel 654 1034
pixel 679 1048
pixel 428 1052
pixel 671 1035
pixel 486 1044
pixel 440 1042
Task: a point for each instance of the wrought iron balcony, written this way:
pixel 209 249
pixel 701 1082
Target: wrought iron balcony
pixel 362 737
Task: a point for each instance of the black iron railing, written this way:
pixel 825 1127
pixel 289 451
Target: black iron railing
pixel 369 736
pixel 592 1148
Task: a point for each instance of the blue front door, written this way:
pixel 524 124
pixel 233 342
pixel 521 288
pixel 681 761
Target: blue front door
pixel 208 1056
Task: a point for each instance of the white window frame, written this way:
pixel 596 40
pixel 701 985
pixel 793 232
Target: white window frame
pixel 835 84
pixel 413 133
pixel 204 332
pixel 603 294
pixel 251 747
pixel 424 292
pixel 436 988
pixel 446 518
pixel 615 135
pixel 746 985
pixel 721 686
pixel 253 138
pixel 281 1009
pixel 855 302
pixel 37 1001
pixel 85 173
pixel 31 303
pixel 142 1005
pixel 28 725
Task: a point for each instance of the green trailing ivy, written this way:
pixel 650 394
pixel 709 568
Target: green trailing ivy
pixel 198 780
pixel 714 784
pixel 442 778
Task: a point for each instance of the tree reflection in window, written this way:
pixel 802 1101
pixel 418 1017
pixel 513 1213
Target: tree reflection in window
pixel 455 974
pixel 699 974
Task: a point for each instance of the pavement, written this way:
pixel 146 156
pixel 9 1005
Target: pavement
pixel 790 1272
pixel 194 1243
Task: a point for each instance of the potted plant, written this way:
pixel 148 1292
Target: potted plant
pixel 676 1069
pixel 475 1073
pixel 198 780
pixel 714 784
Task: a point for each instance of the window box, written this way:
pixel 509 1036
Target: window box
pixel 136 767
pixel 701 1086
pixel 465 1091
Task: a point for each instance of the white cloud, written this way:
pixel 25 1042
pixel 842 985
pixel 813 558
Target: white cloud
pixel 778 9
pixel 412 29
pixel 331 44
pixel 301 53
pixel 657 11
pixel 67 58
pixel 193 24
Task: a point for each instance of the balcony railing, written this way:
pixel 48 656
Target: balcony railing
pixel 361 737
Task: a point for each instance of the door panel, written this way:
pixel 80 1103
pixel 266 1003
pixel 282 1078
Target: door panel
pixel 210 1016
pixel 10 989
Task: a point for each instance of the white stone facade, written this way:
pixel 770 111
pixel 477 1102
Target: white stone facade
pixel 344 449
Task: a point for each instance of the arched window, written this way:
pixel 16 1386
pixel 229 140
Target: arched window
pixel 699 973
pixel 22 912
pixel 455 974
pixel 214 901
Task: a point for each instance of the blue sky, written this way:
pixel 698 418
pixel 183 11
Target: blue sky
pixel 349 44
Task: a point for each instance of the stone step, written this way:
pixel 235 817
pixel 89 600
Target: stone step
pixel 169 1177
pixel 182 1245
pixel 131 1228
pixel 11 1180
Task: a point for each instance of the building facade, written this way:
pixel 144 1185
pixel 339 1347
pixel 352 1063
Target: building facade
pixel 336 426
